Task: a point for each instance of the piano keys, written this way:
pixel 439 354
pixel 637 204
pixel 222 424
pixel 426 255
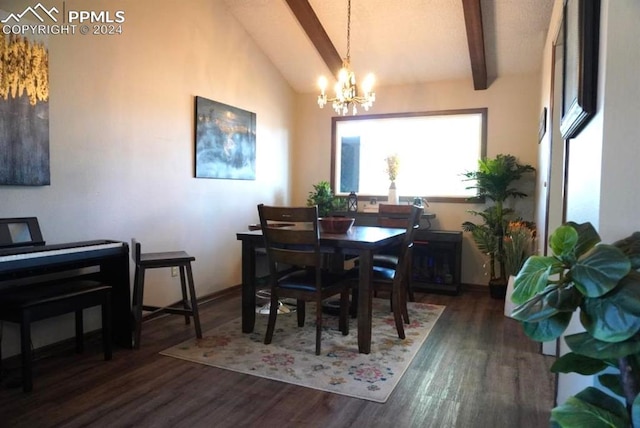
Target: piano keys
pixel 26 259
pixel 15 259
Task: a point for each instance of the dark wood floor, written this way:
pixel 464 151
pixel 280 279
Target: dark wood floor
pixel 476 369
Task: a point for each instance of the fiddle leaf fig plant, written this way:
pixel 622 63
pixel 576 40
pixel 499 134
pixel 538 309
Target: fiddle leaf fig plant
pixel 602 280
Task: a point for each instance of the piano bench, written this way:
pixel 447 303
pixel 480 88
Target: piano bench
pixel 30 303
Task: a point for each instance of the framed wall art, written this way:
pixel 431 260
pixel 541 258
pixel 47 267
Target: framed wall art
pixel 580 27
pixel 542 124
pixel 225 141
pixel 24 110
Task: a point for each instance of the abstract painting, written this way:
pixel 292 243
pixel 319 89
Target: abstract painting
pixel 24 111
pixel 225 141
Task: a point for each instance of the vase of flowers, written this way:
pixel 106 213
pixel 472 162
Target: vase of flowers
pixel 393 164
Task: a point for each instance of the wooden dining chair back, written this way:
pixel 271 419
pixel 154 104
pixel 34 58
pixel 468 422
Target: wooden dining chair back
pixel 188 306
pixel 397 216
pixel 299 246
pixel 395 280
pixel 390 215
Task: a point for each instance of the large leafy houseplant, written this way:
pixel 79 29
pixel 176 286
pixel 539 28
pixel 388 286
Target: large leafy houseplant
pixel 493 180
pixel 324 198
pixel 604 283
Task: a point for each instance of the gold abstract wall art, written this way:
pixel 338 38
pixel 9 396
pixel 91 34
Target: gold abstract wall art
pixel 24 111
pixel 24 68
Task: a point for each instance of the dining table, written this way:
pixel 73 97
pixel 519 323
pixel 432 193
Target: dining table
pixel 360 241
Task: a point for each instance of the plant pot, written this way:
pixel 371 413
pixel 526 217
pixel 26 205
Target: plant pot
pixel 509 306
pixel 336 225
pixel 498 288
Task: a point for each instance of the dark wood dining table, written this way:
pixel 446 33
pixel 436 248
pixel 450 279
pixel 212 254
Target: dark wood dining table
pixel 361 241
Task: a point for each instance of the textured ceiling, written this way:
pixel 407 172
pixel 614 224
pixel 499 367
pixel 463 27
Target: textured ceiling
pixel 400 41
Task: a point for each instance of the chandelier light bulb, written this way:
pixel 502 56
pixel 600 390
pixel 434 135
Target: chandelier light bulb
pixel 322 83
pixel 343 76
pixel 367 85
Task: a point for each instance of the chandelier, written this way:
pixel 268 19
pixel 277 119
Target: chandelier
pixel 346 88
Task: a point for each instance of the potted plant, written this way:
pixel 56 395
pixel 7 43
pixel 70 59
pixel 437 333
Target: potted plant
pixel 493 181
pixel 604 283
pixel 518 245
pixel 322 195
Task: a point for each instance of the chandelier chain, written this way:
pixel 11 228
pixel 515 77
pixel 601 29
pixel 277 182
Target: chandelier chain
pixel 349 31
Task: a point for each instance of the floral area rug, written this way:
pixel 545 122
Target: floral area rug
pixel 291 355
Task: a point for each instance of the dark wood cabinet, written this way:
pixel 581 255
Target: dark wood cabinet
pixel 437 261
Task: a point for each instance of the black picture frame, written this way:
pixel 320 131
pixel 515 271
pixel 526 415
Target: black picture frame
pixel 542 125
pixel 580 26
pixel 225 141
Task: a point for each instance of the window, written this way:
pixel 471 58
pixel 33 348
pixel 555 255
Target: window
pixel 434 149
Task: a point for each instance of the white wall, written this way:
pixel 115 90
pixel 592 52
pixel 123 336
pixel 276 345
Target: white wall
pixel 603 158
pixel 513 113
pixel 122 141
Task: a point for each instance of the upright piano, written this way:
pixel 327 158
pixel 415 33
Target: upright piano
pixel 25 259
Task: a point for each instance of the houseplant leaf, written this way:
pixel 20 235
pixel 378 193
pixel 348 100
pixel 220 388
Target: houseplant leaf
pixel 591 408
pixel 630 246
pixel 535 309
pixel 563 241
pixel 635 411
pixel 614 317
pixel 564 299
pixel 587 237
pixel 533 277
pixel 599 270
pixel 611 382
pixel 548 329
pixel 585 344
pixel 575 363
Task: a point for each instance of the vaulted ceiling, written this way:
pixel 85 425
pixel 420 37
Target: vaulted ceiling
pixel 400 41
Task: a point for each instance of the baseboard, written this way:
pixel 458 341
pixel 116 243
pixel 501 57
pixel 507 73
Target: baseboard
pixel 475 288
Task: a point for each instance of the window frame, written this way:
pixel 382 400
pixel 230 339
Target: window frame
pixel 483 111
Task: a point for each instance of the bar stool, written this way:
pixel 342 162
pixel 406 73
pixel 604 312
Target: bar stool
pixel 144 261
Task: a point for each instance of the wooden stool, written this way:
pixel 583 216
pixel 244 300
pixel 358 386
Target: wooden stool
pixel 30 303
pixel 182 261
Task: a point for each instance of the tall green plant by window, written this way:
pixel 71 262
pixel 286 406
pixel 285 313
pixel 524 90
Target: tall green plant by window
pixel 493 180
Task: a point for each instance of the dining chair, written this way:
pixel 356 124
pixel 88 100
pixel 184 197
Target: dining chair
pixel 299 246
pixel 395 278
pixel 166 259
pixel 397 216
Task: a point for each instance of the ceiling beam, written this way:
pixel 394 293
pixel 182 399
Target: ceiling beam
pixel 317 34
pixel 475 37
